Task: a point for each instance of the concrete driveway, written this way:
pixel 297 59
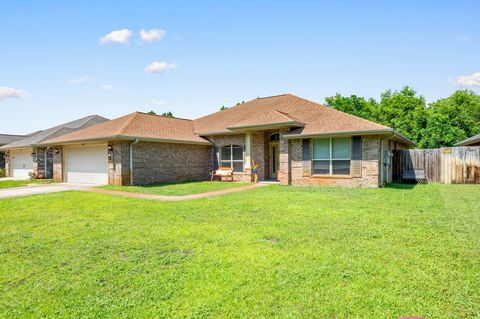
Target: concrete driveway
pixel 40 189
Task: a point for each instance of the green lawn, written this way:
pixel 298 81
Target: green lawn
pixel 177 189
pixel 272 252
pixel 10 184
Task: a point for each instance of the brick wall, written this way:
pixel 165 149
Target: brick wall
pixel 169 162
pixel 260 149
pixel 285 159
pixel 220 141
pixel 370 166
pixel 58 164
pixel 119 163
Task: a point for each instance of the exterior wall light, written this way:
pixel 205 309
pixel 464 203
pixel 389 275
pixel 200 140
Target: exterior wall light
pixel 56 150
pixel 110 148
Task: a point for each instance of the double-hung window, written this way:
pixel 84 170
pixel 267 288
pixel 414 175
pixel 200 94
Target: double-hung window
pixel 331 156
pixel 232 156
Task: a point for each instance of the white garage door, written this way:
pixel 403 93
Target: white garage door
pixel 86 164
pixel 22 163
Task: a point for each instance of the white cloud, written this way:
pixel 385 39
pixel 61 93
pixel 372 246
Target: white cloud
pixel 152 35
pixel 81 79
pixel 465 38
pixel 6 92
pixel 159 103
pixel 107 87
pixel 160 67
pixel 472 80
pixel 118 36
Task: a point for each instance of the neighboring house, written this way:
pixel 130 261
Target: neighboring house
pixel 134 149
pixel 6 139
pixel 472 141
pixel 293 140
pixel 26 157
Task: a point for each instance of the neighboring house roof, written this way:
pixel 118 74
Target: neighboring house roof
pixel 469 141
pixel 39 137
pixel 9 138
pixel 134 126
pixel 306 118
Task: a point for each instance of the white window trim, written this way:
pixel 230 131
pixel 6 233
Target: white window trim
pixel 331 159
pixel 231 160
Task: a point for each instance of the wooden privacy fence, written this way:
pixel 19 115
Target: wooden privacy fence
pixel 448 165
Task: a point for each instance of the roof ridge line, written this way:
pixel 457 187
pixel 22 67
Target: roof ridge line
pixel 127 123
pixel 270 96
pixel 166 117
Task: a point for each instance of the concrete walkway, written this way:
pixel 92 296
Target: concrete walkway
pixel 40 189
pixel 174 198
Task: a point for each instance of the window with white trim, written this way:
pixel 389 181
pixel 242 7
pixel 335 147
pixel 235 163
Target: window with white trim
pixel 331 156
pixel 232 156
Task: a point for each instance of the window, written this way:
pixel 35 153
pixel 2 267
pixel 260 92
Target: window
pixel 331 156
pixel 274 137
pixel 232 156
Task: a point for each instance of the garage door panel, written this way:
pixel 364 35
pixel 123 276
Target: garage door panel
pixel 22 163
pixel 87 164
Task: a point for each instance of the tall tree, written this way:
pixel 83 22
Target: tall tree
pixel 354 105
pixel 452 119
pixel 404 111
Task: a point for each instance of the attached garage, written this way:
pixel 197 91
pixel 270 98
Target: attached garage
pixel 21 163
pixel 86 164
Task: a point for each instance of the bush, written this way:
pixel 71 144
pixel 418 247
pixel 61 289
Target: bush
pixel 2 172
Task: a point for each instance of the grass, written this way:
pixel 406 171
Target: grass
pixel 21 183
pixel 177 189
pixel 272 252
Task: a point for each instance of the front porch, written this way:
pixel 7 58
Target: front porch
pixel 241 151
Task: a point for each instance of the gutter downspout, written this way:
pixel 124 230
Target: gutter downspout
pixel 131 160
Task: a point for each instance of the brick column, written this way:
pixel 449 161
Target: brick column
pixel 119 163
pixel 7 164
pixel 284 159
pixel 58 164
pixel 370 161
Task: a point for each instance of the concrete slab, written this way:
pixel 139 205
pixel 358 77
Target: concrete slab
pixel 40 189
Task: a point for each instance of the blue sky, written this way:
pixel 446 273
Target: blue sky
pixel 54 68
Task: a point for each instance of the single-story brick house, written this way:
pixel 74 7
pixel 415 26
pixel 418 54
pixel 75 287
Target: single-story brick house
pixel 134 149
pixel 26 157
pixel 293 140
pixel 471 141
pixel 4 140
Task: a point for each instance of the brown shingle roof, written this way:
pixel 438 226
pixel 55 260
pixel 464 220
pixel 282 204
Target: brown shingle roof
pixel 275 118
pixel 136 125
pixel 316 118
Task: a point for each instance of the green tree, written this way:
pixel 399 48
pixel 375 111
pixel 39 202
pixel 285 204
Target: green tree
pixel 404 111
pixel 223 107
pixel 452 119
pixel 167 114
pixel 354 105
pixel 152 113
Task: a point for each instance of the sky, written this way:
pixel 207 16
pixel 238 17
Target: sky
pixel 62 60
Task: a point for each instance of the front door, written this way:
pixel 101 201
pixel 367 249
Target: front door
pixel 274 159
